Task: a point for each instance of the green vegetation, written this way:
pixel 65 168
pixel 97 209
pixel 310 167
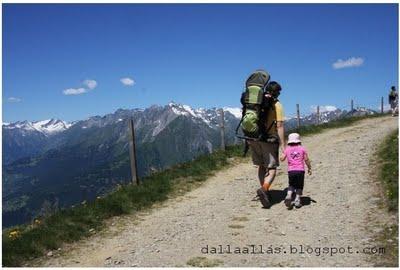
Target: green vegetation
pixel 389 173
pixel 388 239
pixel 29 241
pixel 388 154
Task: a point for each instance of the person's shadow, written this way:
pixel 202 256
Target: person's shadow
pixel 277 196
pixel 307 201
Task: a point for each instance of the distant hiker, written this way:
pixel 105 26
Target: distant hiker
pixel 393 101
pixel 262 126
pixel 296 156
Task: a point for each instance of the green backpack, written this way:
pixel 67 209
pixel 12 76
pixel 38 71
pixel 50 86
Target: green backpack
pixel 252 101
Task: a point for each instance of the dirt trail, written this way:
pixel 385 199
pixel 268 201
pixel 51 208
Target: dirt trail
pixel 345 213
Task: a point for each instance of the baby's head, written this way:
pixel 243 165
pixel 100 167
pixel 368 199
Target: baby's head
pixel 294 139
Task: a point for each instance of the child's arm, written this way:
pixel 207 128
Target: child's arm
pixel 283 156
pixel 308 163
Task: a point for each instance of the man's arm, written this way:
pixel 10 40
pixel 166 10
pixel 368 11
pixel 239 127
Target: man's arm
pixel 281 134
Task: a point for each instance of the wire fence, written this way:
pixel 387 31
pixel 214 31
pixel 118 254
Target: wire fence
pixel 379 105
pixel 352 107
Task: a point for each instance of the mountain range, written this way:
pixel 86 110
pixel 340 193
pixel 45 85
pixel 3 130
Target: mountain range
pixel 54 164
pixel 58 163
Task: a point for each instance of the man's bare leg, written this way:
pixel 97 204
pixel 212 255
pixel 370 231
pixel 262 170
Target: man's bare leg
pixel 262 171
pixel 268 179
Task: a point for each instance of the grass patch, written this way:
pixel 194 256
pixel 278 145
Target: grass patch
pixel 389 240
pixel 204 262
pixel 25 242
pixel 389 172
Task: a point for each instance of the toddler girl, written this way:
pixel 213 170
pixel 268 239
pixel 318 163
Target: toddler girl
pixel 296 156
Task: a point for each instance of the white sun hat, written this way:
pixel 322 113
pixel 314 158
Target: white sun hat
pixel 294 138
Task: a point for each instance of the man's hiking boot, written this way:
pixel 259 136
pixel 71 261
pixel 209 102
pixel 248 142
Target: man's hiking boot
pixel 288 201
pixel 264 198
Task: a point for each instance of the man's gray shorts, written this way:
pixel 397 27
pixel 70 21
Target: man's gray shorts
pixel 265 154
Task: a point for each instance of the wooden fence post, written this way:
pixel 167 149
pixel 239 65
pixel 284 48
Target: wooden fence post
pixel 222 126
pixel 382 105
pixel 132 153
pixel 298 115
pixel 318 115
pixel 352 107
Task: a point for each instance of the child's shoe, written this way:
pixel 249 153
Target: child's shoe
pixel 297 202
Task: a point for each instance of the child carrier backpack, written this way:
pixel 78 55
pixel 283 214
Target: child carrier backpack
pixel 253 106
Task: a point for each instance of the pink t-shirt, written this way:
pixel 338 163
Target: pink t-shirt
pixel 295 156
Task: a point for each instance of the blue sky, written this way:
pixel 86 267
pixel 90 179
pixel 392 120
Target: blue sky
pixel 199 55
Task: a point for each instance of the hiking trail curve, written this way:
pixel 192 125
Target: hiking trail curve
pixel 343 208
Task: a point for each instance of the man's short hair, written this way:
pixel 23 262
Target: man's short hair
pixel 273 88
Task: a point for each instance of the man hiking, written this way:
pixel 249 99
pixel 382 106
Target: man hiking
pixel 261 107
pixel 265 154
pixel 393 101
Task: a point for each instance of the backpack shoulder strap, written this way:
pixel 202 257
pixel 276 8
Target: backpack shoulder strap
pixel 265 115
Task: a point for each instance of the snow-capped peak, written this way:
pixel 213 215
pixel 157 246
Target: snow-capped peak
pixel 208 116
pixel 179 109
pixel 47 127
pixel 51 126
pixel 237 112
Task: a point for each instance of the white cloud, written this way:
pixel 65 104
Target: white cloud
pixel 351 62
pixel 74 91
pixel 13 99
pixel 127 81
pixel 323 108
pixel 90 84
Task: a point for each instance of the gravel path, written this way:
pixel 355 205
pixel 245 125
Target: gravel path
pixel 343 211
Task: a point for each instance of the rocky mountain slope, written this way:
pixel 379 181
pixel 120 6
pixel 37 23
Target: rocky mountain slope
pixel 88 158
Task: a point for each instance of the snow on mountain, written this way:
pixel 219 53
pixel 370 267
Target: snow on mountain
pixel 53 126
pixel 200 114
pixel 47 127
pixel 209 116
pixel 237 112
